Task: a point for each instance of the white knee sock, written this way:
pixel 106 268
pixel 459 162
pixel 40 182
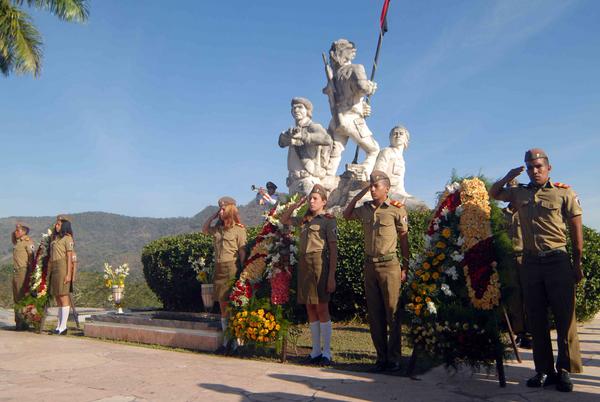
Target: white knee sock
pixel 64 318
pixel 59 318
pixel 315 334
pixel 326 334
pixel 224 322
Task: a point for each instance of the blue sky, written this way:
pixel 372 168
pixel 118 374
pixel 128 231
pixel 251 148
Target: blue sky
pixel 158 110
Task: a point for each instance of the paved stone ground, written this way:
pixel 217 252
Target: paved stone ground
pixel 51 368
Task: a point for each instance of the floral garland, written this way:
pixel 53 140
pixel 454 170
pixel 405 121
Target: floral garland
pixel 458 260
pixel 482 279
pixel 31 308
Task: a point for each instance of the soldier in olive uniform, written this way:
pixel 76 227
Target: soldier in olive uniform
pixel 548 212
pixel 384 222
pixel 229 244
pixel 316 270
pixel 23 254
pixel 516 308
pixel 61 269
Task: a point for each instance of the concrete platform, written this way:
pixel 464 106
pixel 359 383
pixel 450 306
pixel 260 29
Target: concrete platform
pixel 178 330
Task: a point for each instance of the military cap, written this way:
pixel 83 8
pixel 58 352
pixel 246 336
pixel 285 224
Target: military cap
pixel 63 218
pixel 271 184
pixel 226 201
pixel 319 189
pixel 303 101
pixel 377 175
pixel 535 153
pixel 22 226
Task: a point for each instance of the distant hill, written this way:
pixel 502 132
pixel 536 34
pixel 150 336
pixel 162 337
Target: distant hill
pixel 104 237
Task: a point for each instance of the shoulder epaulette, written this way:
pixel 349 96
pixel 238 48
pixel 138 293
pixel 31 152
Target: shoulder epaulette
pixel 329 216
pixel 561 185
pixel 397 204
pixel 26 238
pixel 240 225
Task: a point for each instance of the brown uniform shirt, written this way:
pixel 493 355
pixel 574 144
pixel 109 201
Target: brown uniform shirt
pixel 23 253
pixel 227 241
pixel 381 226
pixel 543 212
pixel 316 233
pixel 59 248
pixel 514 229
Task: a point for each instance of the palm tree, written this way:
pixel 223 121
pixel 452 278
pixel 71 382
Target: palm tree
pixel 20 41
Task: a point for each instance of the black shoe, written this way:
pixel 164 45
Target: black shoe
pixel 312 360
pixel 393 367
pixel 537 381
pixel 563 382
pixel 57 332
pixel 379 367
pixel 325 361
pixel 221 350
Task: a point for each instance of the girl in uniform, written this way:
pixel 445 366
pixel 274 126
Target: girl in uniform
pixel 61 270
pixel 316 268
pixel 229 244
pixel 23 254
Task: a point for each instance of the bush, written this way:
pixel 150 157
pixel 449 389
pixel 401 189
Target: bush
pixel 169 274
pixel 588 292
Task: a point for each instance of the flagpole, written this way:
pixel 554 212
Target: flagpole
pixel 374 69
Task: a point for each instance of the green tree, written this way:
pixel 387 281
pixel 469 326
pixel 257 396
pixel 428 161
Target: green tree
pixel 20 41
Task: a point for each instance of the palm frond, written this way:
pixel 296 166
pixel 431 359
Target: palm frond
pixel 68 10
pixel 20 42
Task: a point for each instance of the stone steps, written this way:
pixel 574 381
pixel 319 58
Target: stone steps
pixel 180 330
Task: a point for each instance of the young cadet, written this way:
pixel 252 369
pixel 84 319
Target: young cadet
pixel 23 254
pixel 549 274
pixel 61 270
pixel 384 222
pixel 316 268
pixel 229 244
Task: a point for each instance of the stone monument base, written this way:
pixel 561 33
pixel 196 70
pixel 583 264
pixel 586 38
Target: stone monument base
pixel 196 331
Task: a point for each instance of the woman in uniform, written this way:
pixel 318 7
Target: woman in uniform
pixel 23 253
pixel 316 268
pixel 61 270
pixel 229 244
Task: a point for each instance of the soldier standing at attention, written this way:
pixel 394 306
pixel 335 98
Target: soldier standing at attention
pixel 229 243
pixel 545 211
pixel 23 254
pixel 61 270
pixel 384 222
pixel 316 271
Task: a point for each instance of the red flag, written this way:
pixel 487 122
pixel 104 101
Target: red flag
pixel 383 18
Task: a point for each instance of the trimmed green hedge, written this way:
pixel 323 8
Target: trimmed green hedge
pixel 169 274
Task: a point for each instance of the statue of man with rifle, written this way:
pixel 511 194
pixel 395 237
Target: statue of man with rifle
pixel 347 87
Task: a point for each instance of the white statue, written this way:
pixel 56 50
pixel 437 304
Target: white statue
pixel 309 146
pixel 347 85
pixel 391 161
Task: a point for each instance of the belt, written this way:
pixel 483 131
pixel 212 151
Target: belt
pixel 545 253
pixel 383 258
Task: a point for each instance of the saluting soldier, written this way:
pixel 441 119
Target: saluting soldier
pixel 229 244
pixel 62 247
pixel 516 307
pixel 316 268
pixel 547 212
pixel 23 254
pixel 384 222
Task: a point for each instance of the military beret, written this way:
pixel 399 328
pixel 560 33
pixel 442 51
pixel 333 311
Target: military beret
pixel 535 153
pixel 226 201
pixel 303 101
pixel 377 175
pixel 271 184
pixel 319 189
pixel 22 226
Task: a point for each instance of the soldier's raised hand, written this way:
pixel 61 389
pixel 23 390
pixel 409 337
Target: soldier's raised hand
pixel 514 173
pixel 373 87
